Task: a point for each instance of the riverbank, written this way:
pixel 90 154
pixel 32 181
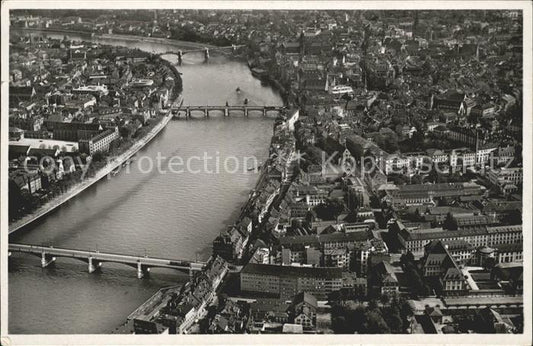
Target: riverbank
pixel 88 35
pixel 124 216
pixel 80 187
pixel 47 206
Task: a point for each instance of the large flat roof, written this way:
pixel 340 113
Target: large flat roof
pixel 469 300
pixel 293 271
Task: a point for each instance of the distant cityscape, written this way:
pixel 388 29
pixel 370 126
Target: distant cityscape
pixel 391 198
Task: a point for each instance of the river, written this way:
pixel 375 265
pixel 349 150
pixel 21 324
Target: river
pixel 171 215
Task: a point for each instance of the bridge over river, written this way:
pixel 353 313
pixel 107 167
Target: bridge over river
pixel 243 109
pixel 180 53
pixel 95 259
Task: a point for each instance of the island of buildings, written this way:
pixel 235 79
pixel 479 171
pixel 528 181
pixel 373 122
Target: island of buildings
pixel 336 247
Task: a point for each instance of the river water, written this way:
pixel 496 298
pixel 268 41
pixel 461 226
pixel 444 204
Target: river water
pixel 170 215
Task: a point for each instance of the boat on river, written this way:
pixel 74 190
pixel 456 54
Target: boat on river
pixel 259 72
pixel 254 167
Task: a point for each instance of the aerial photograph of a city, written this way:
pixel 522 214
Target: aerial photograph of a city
pixel 265 171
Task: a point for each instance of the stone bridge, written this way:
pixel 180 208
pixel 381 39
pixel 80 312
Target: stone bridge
pixel 95 259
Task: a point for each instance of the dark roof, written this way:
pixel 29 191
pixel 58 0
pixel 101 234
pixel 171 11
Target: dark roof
pixel 290 271
pixel 433 311
pixel 75 126
pixel 455 244
pixel 18 150
pixel 21 90
pixel 43 152
pixel 504 229
pixel 426 323
pixel 436 233
pixel 509 273
pixel 306 298
pixel 385 271
pixel 514 247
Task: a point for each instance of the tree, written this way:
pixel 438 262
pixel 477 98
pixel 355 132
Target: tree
pixel 338 324
pixel 450 223
pixel 384 299
pixel 393 319
pixel 417 216
pixel 330 209
pixel 387 140
pixel 398 179
pixel 98 157
pixel 489 263
pixel 16 199
pixel 407 258
pixel 375 324
pixel 125 132
pixel 347 319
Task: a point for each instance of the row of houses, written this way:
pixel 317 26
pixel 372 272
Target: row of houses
pixel 184 309
pixel 460 157
pixel 349 250
pixel 414 240
pixel 231 243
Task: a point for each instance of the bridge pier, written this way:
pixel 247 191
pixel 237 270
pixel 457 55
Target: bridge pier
pixel 46 260
pixel 142 270
pixel 92 267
